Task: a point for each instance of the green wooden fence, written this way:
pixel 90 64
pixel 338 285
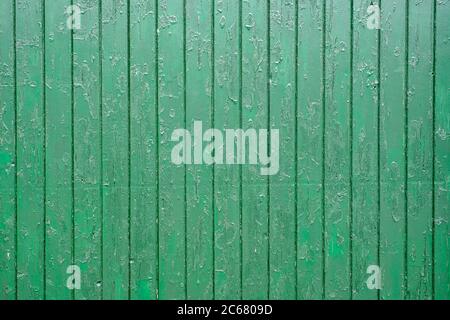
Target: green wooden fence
pixel 86 177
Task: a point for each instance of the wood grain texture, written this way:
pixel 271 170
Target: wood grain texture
pixel 420 151
pixel 58 150
pixel 199 182
pixel 87 130
pixel 115 150
pixel 30 150
pixel 310 157
pixel 442 156
pixel 143 131
pixel 392 137
pixel 365 201
pixel 282 186
pixel 8 250
pixel 86 172
pixel 227 179
pixel 255 104
pixel 143 232
pixel 338 158
pixel 172 179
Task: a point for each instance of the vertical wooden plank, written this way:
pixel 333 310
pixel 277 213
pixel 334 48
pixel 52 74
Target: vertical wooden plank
pixel 30 150
pixel 87 150
pixel 199 178
pixel 172 206
pixel 310 175
pixel 227 184
pixel 365 151
pixel 392 148
pixel 7 152
pixel 420 150
pixel 255 271
pixel 115 149
pixel 442 155
pixel 58 101
pixel 337 149
pixel 143 110
pixel 283 117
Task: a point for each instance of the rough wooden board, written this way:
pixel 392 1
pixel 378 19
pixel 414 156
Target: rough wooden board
pixel 143 140
pixel 392 149
pixel 364 120
pixel 58 151
pixel 442 154
pixel 172 179
pixel 115 150
pixel 87 129
pixel 8 248
pixel 255 241
pixel 282 113
pixel 365 147
pixel 30 150
pixel 338 119
pixel 227 183
pixel 310 165
pixel 420 151
pixel 199 182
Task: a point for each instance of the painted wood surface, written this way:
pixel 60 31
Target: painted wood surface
pixel 86 122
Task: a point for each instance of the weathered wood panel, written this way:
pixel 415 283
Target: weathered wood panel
pixel 338 152
pixel 199 179
pixel 420 150
pixel 441 189
pixel 87 177
pixel 310 146
pixel 143 140
pixel 8 250
pixel 31 175
pixel 87 130
pixel 255 106
pixel 172 179
pixel 58 150
pixel 115 149
pixel 282 117
pixel 393 77
pixel 227 179
pixel 365 148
